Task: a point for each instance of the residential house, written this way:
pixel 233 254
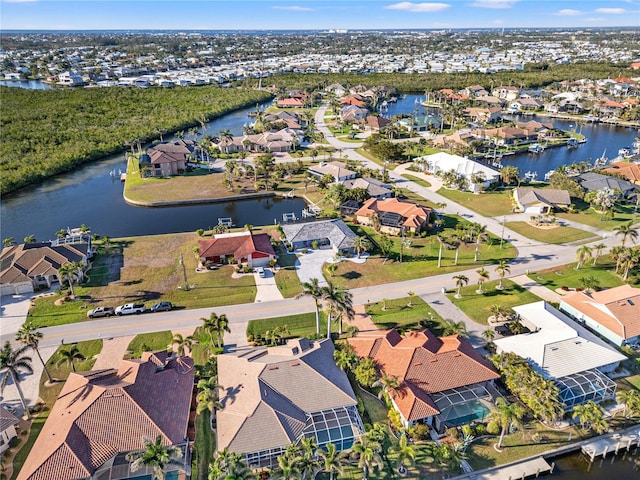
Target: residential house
pixel 167 159
pixel 506 92
pixel 337 170
pixel 483 115
pixel 294 101
pixel 273 397
pixel 628 170
pixel 525 104
pixel 592 181
pixel 374 187
pixel 285 120
pixel 353 113
pixel 489 100
pixel 540 200
pixel 70 79
pixel 336 89
pixel 101 415
pixel 394 216
pixel 469 169
pixel 421 123
pixel 8 422
pixel 239 247
pixel 613 313
pixel 333 234
pixel 610 108
pixel 560 350
pixel 29 266
pixel 444 382
pixel 475 91
pixel 375 122
pixel 504 136
pixel 283 140
pixel 354 99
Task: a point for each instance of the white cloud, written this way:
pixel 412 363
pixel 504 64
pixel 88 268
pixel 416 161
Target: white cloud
pixel 418 7
pixel 494 3
pixel 294 8
pixel 615 11
pixel 568 12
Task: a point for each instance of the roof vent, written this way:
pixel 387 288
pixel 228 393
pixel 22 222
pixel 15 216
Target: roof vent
pixel 273 368
pixel 457 354
pixel 433 360
pixel 417 364
pixel 553 349
pixel 630 302
pixel 295 364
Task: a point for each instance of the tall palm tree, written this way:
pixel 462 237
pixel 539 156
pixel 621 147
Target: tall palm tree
pixel 502 269
pixel 483 276
pixel 389 384
pixel 183 344
pixel 591 416
pixel 207 397
pixel 480 235
pixel 12 364
pixel 630 258
pixel 597 251
pixel 68 271
pixel 30 336
pixel 340 301
pixel 367 452
pixel 582 255
pixel 288 466
pixel 461 281
pixel 627 231
pixel 616 254
pixel 631 401
pixel 216 325
pixel 406 454
pixel 361 244
pixel 504 416
pixel 229 466
pixel 156 456
pixel 312 289
pixel 70 356
pixel 332 460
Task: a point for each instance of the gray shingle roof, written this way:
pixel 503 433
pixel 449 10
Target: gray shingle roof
pixel 591 181
pixel 338 233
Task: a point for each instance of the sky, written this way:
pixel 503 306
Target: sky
pixel 313 14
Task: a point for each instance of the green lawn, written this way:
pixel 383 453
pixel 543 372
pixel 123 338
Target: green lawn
pixel 397 313
pixel 300 325
pixel 149 342
pixel 487 204
pixel 287 277
pixel 204 447
pixel 478 306
pixel 567 275
pixel 556 235
pixel 418 180
pixel 587 215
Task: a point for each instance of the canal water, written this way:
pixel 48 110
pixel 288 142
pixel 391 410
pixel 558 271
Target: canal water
pixel 578 467
pixel 28 84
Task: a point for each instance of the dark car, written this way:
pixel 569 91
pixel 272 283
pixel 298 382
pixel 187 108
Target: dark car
pixel 162 307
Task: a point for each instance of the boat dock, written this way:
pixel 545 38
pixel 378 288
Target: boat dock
pixel 226 221
pixel 528 468
pixel 289 217
pixel 611 443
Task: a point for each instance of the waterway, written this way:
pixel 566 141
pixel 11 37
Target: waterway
pixel 578 467
pixel 93 195
pixel 28 84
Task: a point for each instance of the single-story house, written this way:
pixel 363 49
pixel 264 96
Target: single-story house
pixel 102 415
pixel 291 102
pixel 26 267
pixel 375 122
pixel 273 397
pixel 337 170
pixel 354 99
pixel 282 140
pixel 334 234
pixel 483 115
pixel 525 104
pixel 444 162
pixel 353 113
pixel 539 200
pixel 613 313
pixel 394 215
pixel 560 350
pixel 444 382
pixel 239 247
pixel 8 422
pixel 374 187
pixel 592 181
pixel 629 170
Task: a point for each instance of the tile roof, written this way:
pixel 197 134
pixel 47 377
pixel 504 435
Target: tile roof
pixel 337 169
pixel 371 185
pixel 7 419
pixel 591 181
pixel 413 215
pixel 238 245
pixel 20 263
pixel 338 233
pixel 105 412
pixel 269 392
pixel 629 170
pixel 425 364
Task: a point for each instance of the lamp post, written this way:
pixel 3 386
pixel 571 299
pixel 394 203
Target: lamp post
pixel 504 220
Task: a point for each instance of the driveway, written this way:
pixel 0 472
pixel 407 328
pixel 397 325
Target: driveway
pixel 267 289
pixel 309 265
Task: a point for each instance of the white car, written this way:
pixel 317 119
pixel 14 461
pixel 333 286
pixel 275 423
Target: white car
pixel 260 271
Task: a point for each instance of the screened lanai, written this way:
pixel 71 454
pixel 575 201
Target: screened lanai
pixel 581 387
pixel 459 406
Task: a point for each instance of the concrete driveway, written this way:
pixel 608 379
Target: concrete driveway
pixel 267 289
pixel 309 265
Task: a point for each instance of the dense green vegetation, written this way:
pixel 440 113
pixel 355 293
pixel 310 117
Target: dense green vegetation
pixel 45 132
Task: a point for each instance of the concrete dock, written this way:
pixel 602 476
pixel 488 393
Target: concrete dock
pixel 526 469
pixel 612 443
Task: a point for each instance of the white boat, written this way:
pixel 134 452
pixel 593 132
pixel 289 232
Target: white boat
pixel 572 142
pixel 536 148
pixel 547 175
pixel 531 176
pixel 624 152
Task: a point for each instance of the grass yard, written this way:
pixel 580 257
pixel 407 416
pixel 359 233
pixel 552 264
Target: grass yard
pixel 568 276
pixel 418 180
pixel 300 325
pixel 555 235
pixel 587 215
pixel 146 269
pixel 487 204
pixel 204 447
pixel 287 277
pixel 397 313
pixel 478 306
pixel 629 383
pixel 147 342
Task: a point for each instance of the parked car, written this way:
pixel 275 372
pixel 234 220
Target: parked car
pixel 260 271
pixel 101 312
pixel 129 308
pixel 162 307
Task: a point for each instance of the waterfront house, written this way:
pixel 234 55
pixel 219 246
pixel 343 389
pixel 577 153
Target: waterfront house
pixel 560 350
pixel 30 266
pixel 337 170
pixel 394 216
pixel 333 234
pixel 294 101
pixel 167 159
pixel 592 181
pixel 353 113
pixel 525 104
pixel 421 123
pixel 613 313
pixel 483 115
pixel 374 187
pixel 469 169
pixel 506 92
pixel 443 382
pixel 102 415
pixel 238 247
pixel 354 99
pixel 628 170
pixel 8 422
pixel 540 200
pixel 273 397
pixel 375 122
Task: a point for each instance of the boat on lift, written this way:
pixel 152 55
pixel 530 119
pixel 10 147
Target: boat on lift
pixel 536 148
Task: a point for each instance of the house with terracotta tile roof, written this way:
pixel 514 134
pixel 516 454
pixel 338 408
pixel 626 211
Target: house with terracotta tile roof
pixel 628 170
pixel 169 158
pixel 273 397
pixel 102 415
pixel 444 382
pixel 613 313
pixel 394 215
pixel 238 247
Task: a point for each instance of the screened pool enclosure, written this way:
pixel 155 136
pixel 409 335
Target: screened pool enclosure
pixel 459 406
pixel 581 387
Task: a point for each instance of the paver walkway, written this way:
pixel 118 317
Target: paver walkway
pixel 537 289
pixel 361 320
pixel 113 350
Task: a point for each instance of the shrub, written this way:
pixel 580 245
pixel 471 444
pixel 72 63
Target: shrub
pixel 419 432
pixel 452 432
pixel 394 418
pixel 481 429
pixel 314 244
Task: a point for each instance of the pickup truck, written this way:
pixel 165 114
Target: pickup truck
pixel 100 312
pixel 129 308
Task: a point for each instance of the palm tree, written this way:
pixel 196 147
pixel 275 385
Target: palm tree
pixel 184 344
pixel 461 281
pixel 67 271
pixel 207 397
pixel 591 416
pixel 340 301
pixel 630 258
pixel 216 325
pixel 489 334
pixel 626 231
pixel 288 466
pixel 361 244
pixel 156 456
pixel 30 239
pixel 483 276
pixel 12 364
pixel 229 466
pixel 312 289
pixel 332 460
pixel 70 356
pixel 411 295
pixel 345 358
pixel 30 336
pixel 389 384
pixel 631 401
pixel 481 235
pixel 597 251
pixel 9 242
pixel 582 255
pixel 332 267
pixel 505 416
pixel 502 269
pixel 225 137
pixel 367 452
pixel 406 454
pixel 451 327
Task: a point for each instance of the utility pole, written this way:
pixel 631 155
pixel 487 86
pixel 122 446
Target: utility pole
pixel 184 272
pixel 401 242
pixel 504 220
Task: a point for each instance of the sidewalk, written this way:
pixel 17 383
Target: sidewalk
pixel 537 289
